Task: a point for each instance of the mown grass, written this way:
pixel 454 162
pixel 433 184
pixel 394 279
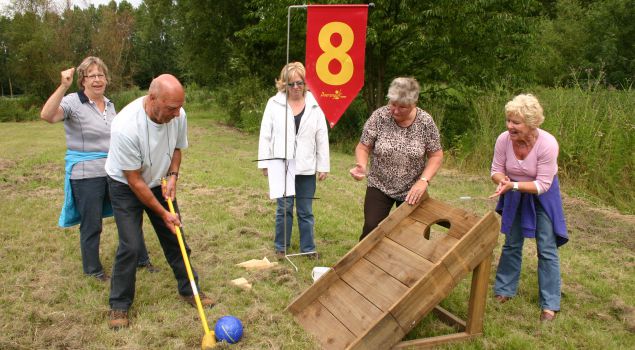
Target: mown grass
pixel 228 218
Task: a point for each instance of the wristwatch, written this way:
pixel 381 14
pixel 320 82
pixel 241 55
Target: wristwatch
pixel 515 188
pixel 423 178
pixel 175 173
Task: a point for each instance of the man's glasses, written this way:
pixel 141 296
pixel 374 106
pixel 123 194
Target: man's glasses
pixel 298 83
pixel 96 76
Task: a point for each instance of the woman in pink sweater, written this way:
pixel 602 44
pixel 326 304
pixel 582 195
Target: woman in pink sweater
pixel 525 168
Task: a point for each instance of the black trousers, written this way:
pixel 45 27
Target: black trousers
pixel 128 210
pixel 377 206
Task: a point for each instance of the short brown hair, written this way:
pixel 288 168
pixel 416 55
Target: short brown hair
pixel 82 69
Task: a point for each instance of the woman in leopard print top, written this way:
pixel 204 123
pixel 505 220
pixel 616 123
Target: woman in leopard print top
pixel 404 145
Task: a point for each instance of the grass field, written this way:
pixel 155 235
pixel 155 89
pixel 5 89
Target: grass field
pixel 48 304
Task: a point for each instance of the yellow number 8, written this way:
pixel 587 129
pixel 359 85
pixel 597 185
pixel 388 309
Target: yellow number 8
pixel 338 53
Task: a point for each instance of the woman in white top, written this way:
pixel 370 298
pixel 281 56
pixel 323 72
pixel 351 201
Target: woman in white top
pixel 306 143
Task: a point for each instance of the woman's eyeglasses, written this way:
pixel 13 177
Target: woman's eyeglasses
pixel 96 76
pixel 298 83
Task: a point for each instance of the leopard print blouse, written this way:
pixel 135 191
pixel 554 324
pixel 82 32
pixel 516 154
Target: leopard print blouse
pixel 398 154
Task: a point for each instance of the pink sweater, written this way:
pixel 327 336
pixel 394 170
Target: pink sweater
pixel 540 165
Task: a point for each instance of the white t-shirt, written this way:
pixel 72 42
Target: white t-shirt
pixel 136 142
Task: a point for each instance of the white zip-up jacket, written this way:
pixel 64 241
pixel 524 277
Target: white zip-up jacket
pixel 309 148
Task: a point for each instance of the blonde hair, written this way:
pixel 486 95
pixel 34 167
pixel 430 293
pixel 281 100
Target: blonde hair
pixel 527 107
pixel 82 69
pixel 288 71
pixel 404 91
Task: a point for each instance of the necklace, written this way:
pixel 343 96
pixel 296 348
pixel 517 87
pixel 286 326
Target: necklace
pixel 167 133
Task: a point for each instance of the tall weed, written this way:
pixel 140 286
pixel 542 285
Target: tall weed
pixel 244 101
pixel 345 135
pixel 121 98
pixel 196 98
pixel 19 109
pixel 594 128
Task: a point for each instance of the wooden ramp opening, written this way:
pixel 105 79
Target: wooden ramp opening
pixel 401 271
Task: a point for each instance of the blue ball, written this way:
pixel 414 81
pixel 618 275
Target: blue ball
pixel 229 329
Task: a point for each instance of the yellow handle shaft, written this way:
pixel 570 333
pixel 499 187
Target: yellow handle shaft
pixel 190 275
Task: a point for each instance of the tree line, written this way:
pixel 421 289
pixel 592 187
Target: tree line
pixel 456 49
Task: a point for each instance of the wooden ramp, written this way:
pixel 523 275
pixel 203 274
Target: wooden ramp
pixel 388 282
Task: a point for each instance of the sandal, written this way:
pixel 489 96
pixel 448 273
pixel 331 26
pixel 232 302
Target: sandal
pixel 502 299
pixel 547 315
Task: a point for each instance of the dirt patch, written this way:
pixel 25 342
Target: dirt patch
pixel 246 208
pixel 261 314
pixel 47 192
pixel 6 164
pixel 463 176
pixel 237 201
pixel 41 173
pixel 249 232
pixel 609 213
pixel 624 313
pixel 596 225
pixel 280 275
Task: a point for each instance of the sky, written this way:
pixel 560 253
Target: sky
pixel 134 3
pixel 80 3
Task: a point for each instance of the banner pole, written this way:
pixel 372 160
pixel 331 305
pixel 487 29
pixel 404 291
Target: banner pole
pixel 286 116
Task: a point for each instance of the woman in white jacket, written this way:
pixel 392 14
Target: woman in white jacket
pixel 306 142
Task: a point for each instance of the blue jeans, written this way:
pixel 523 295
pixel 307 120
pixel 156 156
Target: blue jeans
pixel 304 192
pixel 89 195
pixel 128 210
pixel 508 272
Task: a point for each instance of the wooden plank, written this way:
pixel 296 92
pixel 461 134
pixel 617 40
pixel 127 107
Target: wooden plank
pixel 351 308
pixel 429 343
pixel 375 236
pixel 310 294
pixel 399 262
pixel 383 335
pixel 402 212
pixel 365 278
pixel 409 226
pixel 449 318
pixel 473 247
pixel 478 296
pixel 328 330
pixel 410 235
pixel 359 251
pixel 436 211
pixel 393 258
pixel 423 297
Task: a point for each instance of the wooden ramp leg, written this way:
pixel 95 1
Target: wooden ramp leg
pixel 475 315
pixel 478 296
pixel 431 342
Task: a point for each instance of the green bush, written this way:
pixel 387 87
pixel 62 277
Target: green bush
pixel 244 102
pixel 19 109
pixel 198 98
pixel 121 98
pixel 346 133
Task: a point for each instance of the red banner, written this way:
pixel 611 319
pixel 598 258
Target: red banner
pixel 335 45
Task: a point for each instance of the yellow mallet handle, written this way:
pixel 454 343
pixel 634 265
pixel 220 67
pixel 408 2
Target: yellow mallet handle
pixel 190 275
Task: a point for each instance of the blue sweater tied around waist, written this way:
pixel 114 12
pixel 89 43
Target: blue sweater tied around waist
pixel 70 215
